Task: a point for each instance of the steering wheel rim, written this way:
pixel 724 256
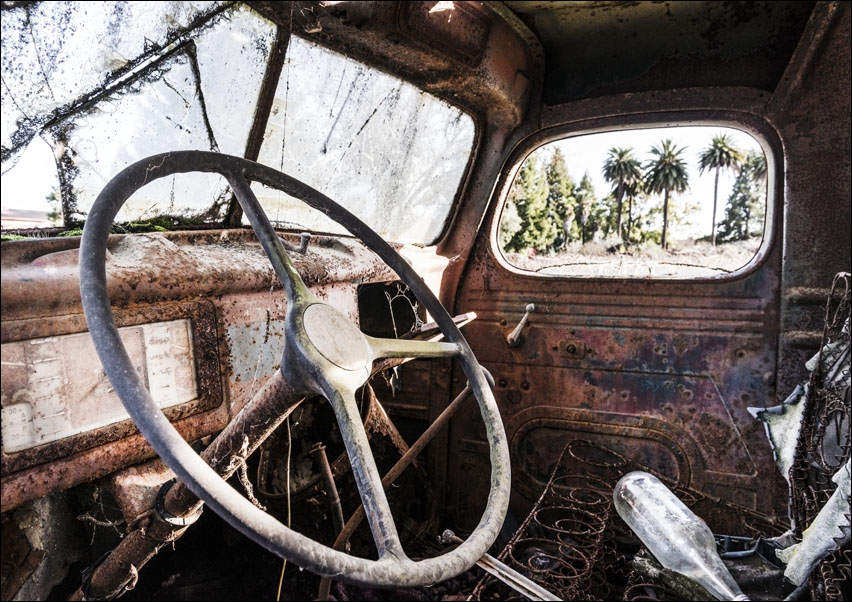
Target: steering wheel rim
pixel 392 569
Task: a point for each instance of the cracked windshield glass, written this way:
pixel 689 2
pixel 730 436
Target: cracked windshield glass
pixel 676 202
pixel 80 103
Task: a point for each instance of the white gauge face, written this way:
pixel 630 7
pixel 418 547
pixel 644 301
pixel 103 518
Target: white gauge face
pixel 55 387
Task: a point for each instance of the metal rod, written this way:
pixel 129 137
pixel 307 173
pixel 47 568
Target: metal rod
pixel 506 574
pixel 318 452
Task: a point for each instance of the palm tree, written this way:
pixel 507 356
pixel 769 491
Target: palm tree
pixel 632 190
pixel 756 161
pixel 721 154
pixel 666 172
pixel 622 169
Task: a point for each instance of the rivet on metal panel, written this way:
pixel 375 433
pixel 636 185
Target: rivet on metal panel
pixel 572 348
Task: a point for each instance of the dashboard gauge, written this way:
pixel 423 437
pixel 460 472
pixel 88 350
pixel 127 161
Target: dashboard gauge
pixel 55 387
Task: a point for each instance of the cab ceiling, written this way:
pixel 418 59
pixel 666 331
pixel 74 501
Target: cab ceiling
pixel 591 49
pixel 600 48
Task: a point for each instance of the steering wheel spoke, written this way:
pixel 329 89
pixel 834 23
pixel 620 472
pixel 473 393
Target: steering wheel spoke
pixel 366 473
pixel 406 348
pixel 294 287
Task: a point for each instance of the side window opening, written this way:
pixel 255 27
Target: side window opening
pixel 670 203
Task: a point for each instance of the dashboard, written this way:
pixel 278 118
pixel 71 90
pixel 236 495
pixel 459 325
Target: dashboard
pixel 201 315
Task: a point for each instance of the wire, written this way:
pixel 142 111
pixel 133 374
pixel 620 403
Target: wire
pixel 284 563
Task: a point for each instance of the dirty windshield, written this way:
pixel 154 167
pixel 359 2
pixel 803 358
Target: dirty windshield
pixel 83 98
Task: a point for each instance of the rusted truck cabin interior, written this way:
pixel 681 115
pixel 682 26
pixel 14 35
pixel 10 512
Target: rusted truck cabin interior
pixel 315 262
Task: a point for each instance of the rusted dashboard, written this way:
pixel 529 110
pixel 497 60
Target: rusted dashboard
pixel 202 314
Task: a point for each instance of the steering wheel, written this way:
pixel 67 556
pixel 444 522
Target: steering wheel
pixel 324 353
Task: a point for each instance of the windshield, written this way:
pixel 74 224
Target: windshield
pixel 389 153
pixel 81 101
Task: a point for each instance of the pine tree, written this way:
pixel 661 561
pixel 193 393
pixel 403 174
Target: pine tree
pixel 585 197
pixel 510 223
pixel 529 195
pixel 560 199
pixel 54 200
pixel 745 206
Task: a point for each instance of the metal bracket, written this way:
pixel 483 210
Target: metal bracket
pixel 177 521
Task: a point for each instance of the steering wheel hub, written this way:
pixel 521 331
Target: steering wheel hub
pixel 336 338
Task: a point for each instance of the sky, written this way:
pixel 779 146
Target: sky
pixel 586 154
pixel 30 181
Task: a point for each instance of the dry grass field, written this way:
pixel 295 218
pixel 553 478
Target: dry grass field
pixel 683 259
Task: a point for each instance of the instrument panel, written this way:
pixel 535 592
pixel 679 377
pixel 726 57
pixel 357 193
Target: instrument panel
pixel 54 387
pixel 58 405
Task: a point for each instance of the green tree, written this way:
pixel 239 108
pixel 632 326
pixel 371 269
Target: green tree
pixel 529 195
pixel 604 215
pixel 756 162
pixel 560 199
pixel 647 225
pixel 720 154
pixel 666 173
pixel 510 223
pixel 632 190
pixel 746 205
pixel 622 170
pixel 585 197
pixel 54 201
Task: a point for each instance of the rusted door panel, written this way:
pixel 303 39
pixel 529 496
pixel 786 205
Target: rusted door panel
pixel 659 372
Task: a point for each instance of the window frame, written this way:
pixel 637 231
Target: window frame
pixel 748 121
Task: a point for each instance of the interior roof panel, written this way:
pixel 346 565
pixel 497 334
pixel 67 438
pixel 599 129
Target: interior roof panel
pixel 600 48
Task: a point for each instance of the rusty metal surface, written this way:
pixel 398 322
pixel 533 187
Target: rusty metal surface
pixel 658 46
pixel 662 375
pixel 135 489
pixel 162 267
pixel 811 110
pixel 743 341
pixel 482 62
pixel 86 466
pixel 789 324
pixel 688 369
